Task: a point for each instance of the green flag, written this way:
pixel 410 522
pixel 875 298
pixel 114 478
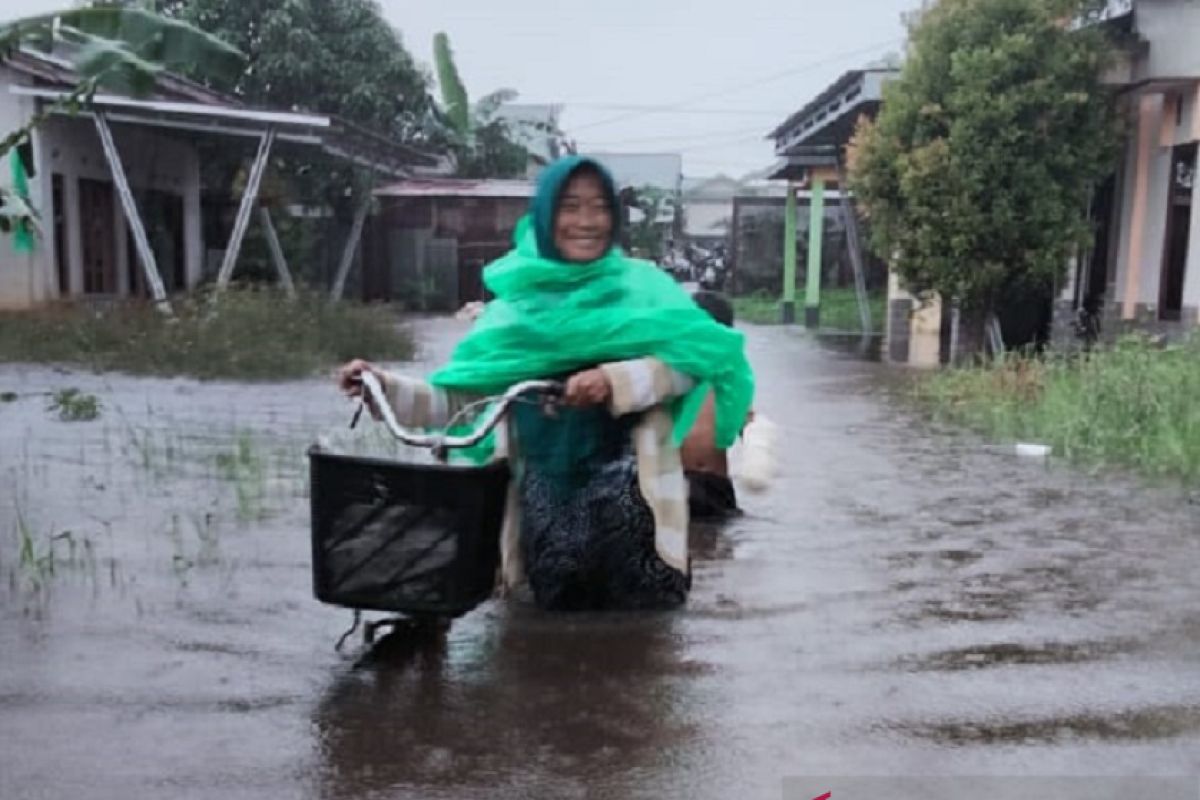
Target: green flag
pixel 23 238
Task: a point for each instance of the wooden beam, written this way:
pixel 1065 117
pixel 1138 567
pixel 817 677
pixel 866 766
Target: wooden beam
pixel 855 244
pixel 249 197
pixel 141 243
pixel 789 257
pixel 360 217
pixel 277 257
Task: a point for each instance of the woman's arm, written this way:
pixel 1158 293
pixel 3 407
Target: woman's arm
pixel 415 403
pixel 643 383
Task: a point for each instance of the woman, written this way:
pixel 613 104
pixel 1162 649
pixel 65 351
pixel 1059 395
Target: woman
pixel 597 512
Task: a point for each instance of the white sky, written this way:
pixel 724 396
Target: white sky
pixel 728 70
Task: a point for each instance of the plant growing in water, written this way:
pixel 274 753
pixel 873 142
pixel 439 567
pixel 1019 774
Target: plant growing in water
pixel 72 405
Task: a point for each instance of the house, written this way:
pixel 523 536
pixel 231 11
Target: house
pixel 1143 269
pixel 118 184
pixel 429 242
pixel 708 205
pixel 534 126
pixel 811 148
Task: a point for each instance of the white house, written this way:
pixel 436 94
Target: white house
pixel 98 241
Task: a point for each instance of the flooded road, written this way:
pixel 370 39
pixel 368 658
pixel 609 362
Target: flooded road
pixel 903 601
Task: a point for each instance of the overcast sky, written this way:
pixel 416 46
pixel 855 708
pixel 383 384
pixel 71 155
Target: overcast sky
pixel 705 78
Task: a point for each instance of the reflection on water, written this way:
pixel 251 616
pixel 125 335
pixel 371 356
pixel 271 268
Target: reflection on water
pixel 525 694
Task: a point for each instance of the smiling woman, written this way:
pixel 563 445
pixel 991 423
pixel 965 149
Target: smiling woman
pixel 598 514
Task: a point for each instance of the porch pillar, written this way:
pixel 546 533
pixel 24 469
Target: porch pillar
pixel 1149 110
pixel 141 243
pixel 249 197
pixel 816 239
pixel 788 308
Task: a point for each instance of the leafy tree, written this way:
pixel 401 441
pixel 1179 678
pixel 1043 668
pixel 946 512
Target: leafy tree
pixel 335 57
pixel 481 141
pixel 647 235
pixel 977 173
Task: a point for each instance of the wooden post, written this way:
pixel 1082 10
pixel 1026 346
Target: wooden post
pixel 789 257
pixel 816 239
pixel 144 254
pixel 249 197
pixel 277 257
pixel 360 217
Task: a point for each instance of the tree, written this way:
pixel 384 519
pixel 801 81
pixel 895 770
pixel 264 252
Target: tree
pixel 977 173
pixel 648 233
pixel 479 138
pixel 118 48
pixel 335 57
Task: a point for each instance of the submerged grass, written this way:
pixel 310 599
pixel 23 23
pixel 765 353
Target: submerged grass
pixel 1133 405
pixel 246 334
pixel 839 310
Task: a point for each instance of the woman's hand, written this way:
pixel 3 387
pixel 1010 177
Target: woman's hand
pixel 349 378
pixel 588 388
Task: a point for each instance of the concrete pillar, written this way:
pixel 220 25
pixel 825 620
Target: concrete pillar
pixel 816 239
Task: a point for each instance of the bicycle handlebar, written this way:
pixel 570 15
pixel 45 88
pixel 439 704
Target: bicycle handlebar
pixel 440 441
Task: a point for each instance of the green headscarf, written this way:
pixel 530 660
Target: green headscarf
pixel 552 318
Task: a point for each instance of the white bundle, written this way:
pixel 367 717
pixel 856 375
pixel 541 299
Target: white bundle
pixel 754 458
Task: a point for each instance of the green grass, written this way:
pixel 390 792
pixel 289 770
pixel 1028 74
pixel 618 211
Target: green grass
pixel 839 310
pixel 72 405
pixel 246 334
pixel 1134 405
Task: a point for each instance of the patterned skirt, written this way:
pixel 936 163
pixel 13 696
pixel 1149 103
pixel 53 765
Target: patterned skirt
pixel 588 536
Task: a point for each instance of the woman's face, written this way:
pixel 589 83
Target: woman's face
pixel 583 222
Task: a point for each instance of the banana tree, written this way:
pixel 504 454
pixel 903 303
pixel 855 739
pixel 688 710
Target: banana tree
pixel 116 48
pixel 480 138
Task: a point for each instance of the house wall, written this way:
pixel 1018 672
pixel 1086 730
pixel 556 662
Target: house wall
pixel 152 160
pixel 1172 27
pixel 24 280
pixel 1161 118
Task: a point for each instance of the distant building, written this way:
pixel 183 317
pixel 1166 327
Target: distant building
pixel 431 239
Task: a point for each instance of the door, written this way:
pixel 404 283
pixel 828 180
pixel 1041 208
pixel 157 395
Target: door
pixel 99 243
pixel 61 256
pixel 1179 224
pixel 162 214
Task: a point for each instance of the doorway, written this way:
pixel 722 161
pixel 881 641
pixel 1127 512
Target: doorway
pixel 99 243
pixel 1179 233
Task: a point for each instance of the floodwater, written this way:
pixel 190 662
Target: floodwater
pixel 903 601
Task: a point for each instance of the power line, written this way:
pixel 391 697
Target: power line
pixel 740 87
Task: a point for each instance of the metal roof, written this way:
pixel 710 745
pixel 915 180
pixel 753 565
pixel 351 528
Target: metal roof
pixel 854 92
pixel 335 136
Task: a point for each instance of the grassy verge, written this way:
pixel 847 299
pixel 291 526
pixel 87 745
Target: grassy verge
pixel 1134 405
pixel 248 334
pixel 839 310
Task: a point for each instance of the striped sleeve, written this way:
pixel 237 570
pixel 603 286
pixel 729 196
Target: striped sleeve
pixel 643 383
pixel 418 404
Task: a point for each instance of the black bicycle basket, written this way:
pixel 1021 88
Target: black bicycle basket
pixel 415 539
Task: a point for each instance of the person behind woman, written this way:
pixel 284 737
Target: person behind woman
pixel 597 515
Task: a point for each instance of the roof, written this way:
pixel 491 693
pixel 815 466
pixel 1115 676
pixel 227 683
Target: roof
pixel 181 105
pixel 50 69
pixel 459 187
pixel 853 91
